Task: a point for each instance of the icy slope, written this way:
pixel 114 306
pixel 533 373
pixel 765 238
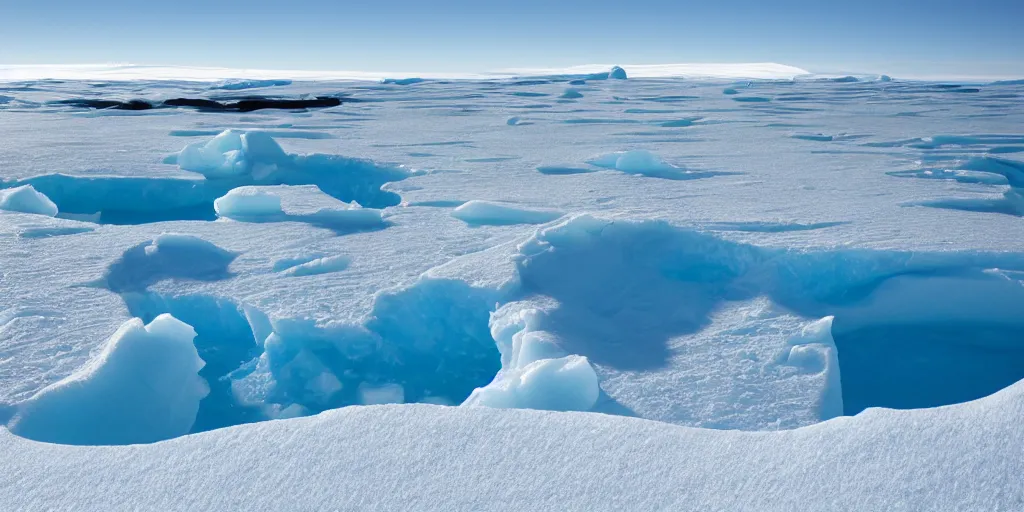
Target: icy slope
pixel 432 458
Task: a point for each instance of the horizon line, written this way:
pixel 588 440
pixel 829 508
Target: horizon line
pixel 124 71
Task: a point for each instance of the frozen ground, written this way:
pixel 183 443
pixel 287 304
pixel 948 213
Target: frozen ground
pixel 777 294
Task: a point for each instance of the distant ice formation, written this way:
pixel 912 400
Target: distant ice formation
pixel 640 162
pixel 238 85
pixel 497 214
pixel 401 81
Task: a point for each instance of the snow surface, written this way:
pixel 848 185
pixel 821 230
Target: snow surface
pixel 758 295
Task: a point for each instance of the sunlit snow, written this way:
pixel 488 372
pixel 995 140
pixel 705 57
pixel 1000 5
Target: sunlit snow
pixel 713 287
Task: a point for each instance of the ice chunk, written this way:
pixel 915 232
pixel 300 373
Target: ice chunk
pixel 381 394
pixel 142 387
pixel 233 153
pixel 571 94
pixel 497 214
pixel 220 157
pixel 639 161
pixel 564 384
pixel 248 203
pixel 26 199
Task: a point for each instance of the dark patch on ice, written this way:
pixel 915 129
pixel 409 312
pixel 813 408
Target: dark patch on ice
pixel 554 170
pixel 248 104
pixel 181 257
pixel 680 123
pixel 752 99
pixel 818 137
pixel 529 94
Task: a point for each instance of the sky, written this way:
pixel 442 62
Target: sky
pixel 904 38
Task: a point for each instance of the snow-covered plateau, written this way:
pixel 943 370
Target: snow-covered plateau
pixel 637 288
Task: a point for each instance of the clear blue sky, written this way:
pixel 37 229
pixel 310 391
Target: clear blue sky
pixel 900 37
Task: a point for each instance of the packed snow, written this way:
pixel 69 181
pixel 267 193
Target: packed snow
pixel 752 289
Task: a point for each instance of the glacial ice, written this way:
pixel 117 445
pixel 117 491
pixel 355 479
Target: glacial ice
pixel 143 386
pixel 248 203
pixel 564 384
pixel 231 154
pixel 26 199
